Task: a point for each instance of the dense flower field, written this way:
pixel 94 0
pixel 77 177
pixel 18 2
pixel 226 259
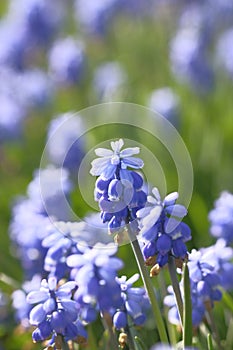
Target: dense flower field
pixel 116 187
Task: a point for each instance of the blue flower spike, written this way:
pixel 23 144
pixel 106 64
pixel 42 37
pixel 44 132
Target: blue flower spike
pixel 118 189
pixel 162 232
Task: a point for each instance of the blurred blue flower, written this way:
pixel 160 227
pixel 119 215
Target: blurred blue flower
pixel 61 241
pixel 49 190
pixel 109 80
pixel 133 303
pixel 220 257
pixel 221 217
pixel 12 115
pixel 40 19
pixel 94 270
pixel 27 229
pixel 160 230
pixel 189 60
pixel 224 51
pixel 19 303
pixel 65 144
pixel 67 61
pixel 95 16
pixel 165 102
pixel 14 50
pixel 37 88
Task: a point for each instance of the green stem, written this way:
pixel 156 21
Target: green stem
pixel 211 321
pixel 176 287
pixel 148 286
pixel 209 342
pixel 187 317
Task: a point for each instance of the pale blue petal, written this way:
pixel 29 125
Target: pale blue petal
pixel 49 306
pixel 37 315
pixel 129 152
pixel 132 279
pixel 68 286
pixel 103 152
pixel 156 193
pixel 141 213
pixel 37 297
pixel 98 165
pixel 117 145
pixel 133 162
pixel 75 260
pixel 171 198
pixel 108 172
pixel 177 210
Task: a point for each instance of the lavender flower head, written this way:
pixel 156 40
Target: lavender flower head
pixel 94 270
pixel 224 51
pixel 162 233
pixel 65 147
pixel 109 79
pixel 165 102
pixel 95 16
pixel 133 303
pixel 189 60
pixel 55 312
pixel 118 190
pixel 50 191
pixel 221 217
pixel 67 61
pixel 37 88
pixel 40 19
pixel 204 285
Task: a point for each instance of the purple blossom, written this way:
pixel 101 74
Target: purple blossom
pixel 109 80
pixel 95 16
pixel 110 160
pixel 55 312
pixel 221 217
pixel 65 144
pixel 94 270
pixel 133 303
pixel 224 51
pixel 160 230
pixel 67 61
pixel 118 190
pixel 165 102
pixel 50 190
pixel 19 303
pixel 39 19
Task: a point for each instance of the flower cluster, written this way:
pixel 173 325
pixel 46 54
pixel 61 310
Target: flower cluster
pixel 162 233
pixel 55 312
pixel 118 190
pixel 94 270
pixel 134 303
pixel 221 217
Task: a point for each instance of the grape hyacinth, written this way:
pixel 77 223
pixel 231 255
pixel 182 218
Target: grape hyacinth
pixel 165 102
pixel 204 282
pixel 162 233
pixel 109 80
pixel 221 218
pixel 55 312
pixel 69 68
pixel 118 190
pixel 94 270
pixel 134 302
pixel 65 146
